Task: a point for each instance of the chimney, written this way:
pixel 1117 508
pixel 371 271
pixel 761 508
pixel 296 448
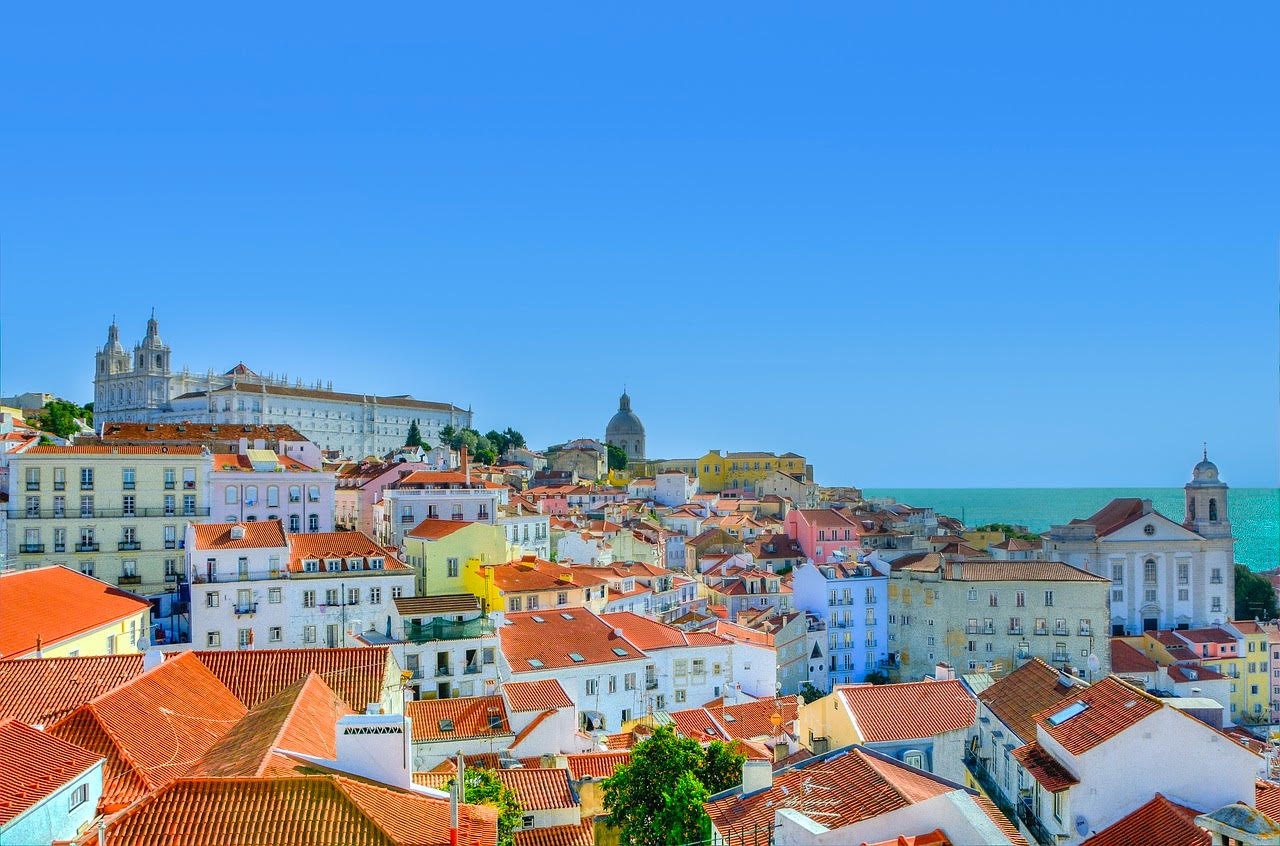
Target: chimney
pixel 151 659
pixel 756 775
pixel 466 463
pixel 1146 506
pixel 944 671
pixel 377 747
pixel 237 532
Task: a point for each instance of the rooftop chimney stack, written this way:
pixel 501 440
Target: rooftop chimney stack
pixel 756 775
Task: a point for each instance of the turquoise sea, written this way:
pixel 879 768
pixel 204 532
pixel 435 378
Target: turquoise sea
pixel 1255 512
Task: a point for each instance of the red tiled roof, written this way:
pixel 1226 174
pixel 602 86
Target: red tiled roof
pixel 432 529
pixel 470 716
pixel 235 462
pixel 597 765
pixel 838 789
pixel 1019 696
pixel 582 834
pixel 647 633
pixel 1044 768
pixel 1248 627
pixel 295 811
pixel 1267 798
pixel 152 729
pixel 534 574
pixel 537 789
pixel 34 765
pixel 115 449
pixel 260 534
pixel 1192 672
pixel 49 605
pixel 1127 659
pixel 301 718
pixel 536 695
pixel 357 674
pixel 344 545
pixel 982 570
pixel 910 710
pixel 1206 635
pixel 1113 706
pixel 41 691
pixel 749 720
pixel 1158 821
pixel 551 642
pixel 447 478
pixel 199 432
pixel 1116 514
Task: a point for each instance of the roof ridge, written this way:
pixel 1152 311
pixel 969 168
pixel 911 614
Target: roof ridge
pixel 338 784
pixel 288 717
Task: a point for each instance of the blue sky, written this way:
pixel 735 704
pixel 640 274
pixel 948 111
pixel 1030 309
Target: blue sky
pixel 922 244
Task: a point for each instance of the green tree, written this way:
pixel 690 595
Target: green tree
pixel 635 796
pixel 497 440
pixel 466 438
pixel 59 417
pixel 617 457
pixel 1255 597
pixel 876 677
pixel 682 819
pixel 513 437
pixel 1009 532
pixel 483 444
pixel 483 787
pixel 486 456
pixel 446 435
pixel 809 693
pixel 721 767
pixel 415 436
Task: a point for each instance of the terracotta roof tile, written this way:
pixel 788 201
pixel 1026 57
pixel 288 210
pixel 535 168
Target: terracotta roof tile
pixel 446 479
pixel 1206 635
pixel 1044 768
pixel 910 710
pixel 198 433
pixel 295 811
pixel 433 529
pixel 647 633
pixel 460 718
pixel 260 534
pixel 981 570
pixel 301 718
pixel 41 691
pixel 357 674
pixel 1267 798
pixel 1019 696
pixel 536 695
pixel 582 834
pixel 51 604
pixel 115 449
pixel 153 728
pixel 1113 706
pixel 530 573
pixel 355 548
pixel 1192 672
pixel 1116 514
pixel 552 642
pixel 538 789
pixel 1158 821
pixel 34 765
pixel 1128 659
pixel 597 765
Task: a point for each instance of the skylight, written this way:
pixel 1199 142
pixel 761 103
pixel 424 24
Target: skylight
pixel 537 619
pixel 1067 713
pixel 446 725
pixel 535 663
pixel 729 718
pixel 618 650
pixel 576 658
pixel 567 616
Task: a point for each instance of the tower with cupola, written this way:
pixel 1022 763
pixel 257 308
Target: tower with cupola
pixel 1206 496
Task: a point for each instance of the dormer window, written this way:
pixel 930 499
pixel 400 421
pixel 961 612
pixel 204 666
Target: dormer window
pixel 311 565
pixel 375 563
pixel 333 564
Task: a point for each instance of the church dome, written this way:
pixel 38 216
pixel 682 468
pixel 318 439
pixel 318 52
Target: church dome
pixel 1206 472
pixel 624 423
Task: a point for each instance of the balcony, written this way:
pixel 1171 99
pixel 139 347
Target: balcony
pixel 171 544
pixel 442 629
pixel 33 486
pixel 406 518
pixel 87 547
pixel 1042 631
pixel 103 513
pixel 972 629
pixel 443 671
pixel 31 547
pixel 471 669
pixel 59 547
pixel 1015 630
pixel 59 486
pixel 129 580
pixel 1028 818
pixel 978 767
pixel 174 577
pixel 128 486
pixel 129 545
pixel 988 630
pixel 1060 658
pixel 86 486
pixel 246 608
pixel 650 684
pixel 188 485
pixel 168 486
pixel 1061 632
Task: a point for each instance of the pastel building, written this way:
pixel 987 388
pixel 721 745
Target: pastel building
pixel 742 472
pixel 443 552
pixel 52 786
pixel 852 599
pixel 435 495
pixel 360 486
pixel 55 612
pixel 262 485
pixel 824 534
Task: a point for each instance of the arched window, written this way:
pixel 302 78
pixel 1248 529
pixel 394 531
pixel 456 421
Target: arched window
pixel 1191 509
pixel 1213 510
pixel 313 523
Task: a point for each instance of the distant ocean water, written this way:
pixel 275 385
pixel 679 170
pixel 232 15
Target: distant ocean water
pixel 1255 512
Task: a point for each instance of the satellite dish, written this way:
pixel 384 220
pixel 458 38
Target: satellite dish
pixel 144 644
pixel 1094 663
pixel 1082 826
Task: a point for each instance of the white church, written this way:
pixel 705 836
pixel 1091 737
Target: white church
pixel 1164 574
pixel 141 388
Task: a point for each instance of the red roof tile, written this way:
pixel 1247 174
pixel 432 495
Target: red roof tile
pixel 199 433
pixel 1206 635
pixel 597 765
pixel 261 534
pixel 536 695
pixel 354 548
pixel 531 573
pixel 582 834
pixel 41 691
pixel 460 718
pixel 552 642
pixel 1113 706
pixel 152 729
pixel 647 633
pixel 910 710
pixel 34 765
pixel 1267 798
pixel 1158 821
pixel 1044 768
pixel 537 789
pixel 295 811
pixel 432 529
pixel 1019 696
pixel 115 449
pixel 1116 514
pixel 357 674
pixel 1193 672
pixel 1127 659
pixel 49 605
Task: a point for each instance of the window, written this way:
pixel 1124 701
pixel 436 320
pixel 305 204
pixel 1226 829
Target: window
pixel 313 522
pixel 86 506
pixel 660 702
pixel 59 478
pixel 86 478
pixel 188 478
pixel 169 479
pixel 274 595
pixel 170 569
pixel 1149 571
pixel 993 599
pixel 308 634
pixel 513 603
pixel 375 596
pixel 1020 599
pixel 308 599
pixel 213 640
pixel 169 508
pixel 233 495
pixel 562 598
pixel 1184 572
pixel 295 494
pixel 681 696
pixel 128 506
pixel 353 596
pixel 244 637
pixel 1117 573
pixel 273 496
pixel 397 592
pixel 1048 599
pixel 274 634
pixel 211 600
pixel 1215 576
pixel 331 596
pixel 295 523
pixel 188 505
pixel 533 603
pixel 451 566
pixel 313 493
pixel 78 797
pixel 592 687
pixel 1215 604
pixel 488 655
pixel 129 569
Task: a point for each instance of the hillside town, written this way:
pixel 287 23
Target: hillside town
pixel 240 608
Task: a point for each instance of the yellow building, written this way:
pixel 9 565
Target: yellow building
pixel 742 471
pixel 1255 669
pixel 442 552
pixel 55 612
pixel 532 584
pixel 982 540
pixel 116 513
pixel 1238 651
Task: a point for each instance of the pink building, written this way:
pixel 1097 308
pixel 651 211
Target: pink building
pixel 824 534
pixel 1210 642
pixel 261 485
pixel 361 486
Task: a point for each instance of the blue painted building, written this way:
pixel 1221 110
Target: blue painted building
pixel 852 598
